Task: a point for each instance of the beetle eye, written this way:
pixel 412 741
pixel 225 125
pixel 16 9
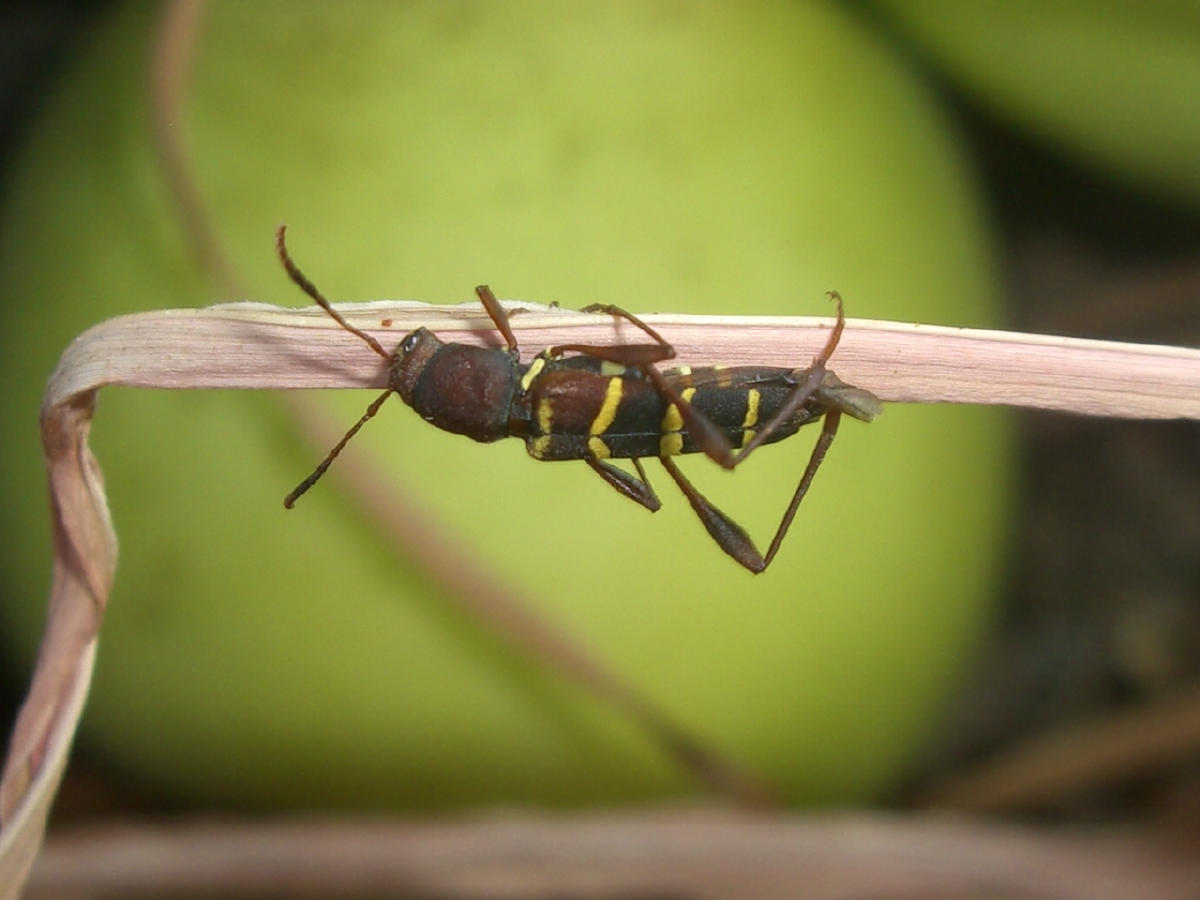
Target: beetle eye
pixel 409 342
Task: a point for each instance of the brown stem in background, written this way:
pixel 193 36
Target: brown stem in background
pixel 693 854
pixel 170 70
pixel 1043 771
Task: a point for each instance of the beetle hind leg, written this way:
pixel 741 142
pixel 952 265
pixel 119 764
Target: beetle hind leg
pixel 828 432
pixel 729 535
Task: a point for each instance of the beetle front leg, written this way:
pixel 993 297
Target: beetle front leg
pixel 498 316
pixel 624 483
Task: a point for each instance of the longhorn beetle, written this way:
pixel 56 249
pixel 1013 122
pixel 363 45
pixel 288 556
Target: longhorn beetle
pixel 611 402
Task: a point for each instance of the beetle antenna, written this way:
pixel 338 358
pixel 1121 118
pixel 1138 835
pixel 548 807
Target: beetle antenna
pixel 290 500
pixel 835 335
pixel 302 282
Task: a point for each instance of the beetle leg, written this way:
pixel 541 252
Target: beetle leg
pixel 704 434
pixel 804 391
pixel 731 537
pixel 633 355
pixel 728 534
pixel 619 313
pixel 498 315
pixel 626 484
pixel 828 429
pixel 638 355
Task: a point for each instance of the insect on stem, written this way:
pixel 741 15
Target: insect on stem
pixel 598 403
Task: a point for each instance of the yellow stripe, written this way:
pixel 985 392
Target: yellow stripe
pixel 748 423
pixel 612 368
pixel 752 399
pixel 608 409
pixel 673 420
pixel 599 448
pixel 535 369
pixel 539 446
pixel 545 415
pixel 670 444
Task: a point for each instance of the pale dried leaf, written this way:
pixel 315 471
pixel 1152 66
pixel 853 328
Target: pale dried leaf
pixel 260 347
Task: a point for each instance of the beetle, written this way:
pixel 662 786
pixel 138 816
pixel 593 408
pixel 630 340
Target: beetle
pixel 597 403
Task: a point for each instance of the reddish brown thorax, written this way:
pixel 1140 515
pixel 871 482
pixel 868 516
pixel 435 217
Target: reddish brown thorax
pixel 459 388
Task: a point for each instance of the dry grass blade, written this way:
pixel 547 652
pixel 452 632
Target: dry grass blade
pixel 258 347
pixel 244 345
pixel 85 557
